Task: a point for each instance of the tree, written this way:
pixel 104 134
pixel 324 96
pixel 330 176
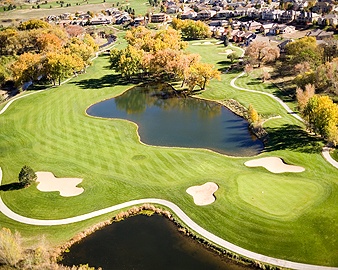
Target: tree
pixel 128 61
pixel 321 115
pixel 248 69
pixel 81 49
pixel 200 74
pixel 226 41
pixel 74 30
pixel 304 50
pixel 143 39
pixel 58 66
pixel 304 96
pixel 265 75
pixel 192 29
pixel 33 24
pixel 10 247
pixel 26 68
pixel 253 116
pixel 326 77
pixel 48 42
pixel 232 56
pixel 27 176
pixel 9 41
pixel 259 52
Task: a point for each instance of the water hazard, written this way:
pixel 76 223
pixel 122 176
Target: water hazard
pixel 145 243
pixel 166 118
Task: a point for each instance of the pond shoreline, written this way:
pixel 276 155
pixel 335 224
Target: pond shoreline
pixel 149 210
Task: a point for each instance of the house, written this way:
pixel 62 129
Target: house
pixel 271 15
pixel 320 34
pixel 283 44
pixel 205 14
pixel 172 9
pixel 288 16
pixel 223 14
pixel 158 17
pixel 322 7
pixel 329 19
pixel 251 26
pixel 242 36
pixel 307 17
pixel 139 21
pixel 267 28
pixel 123 18
pixel 188 13
pixel 285 29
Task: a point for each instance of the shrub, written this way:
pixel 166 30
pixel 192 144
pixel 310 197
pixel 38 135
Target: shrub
pixel 10 247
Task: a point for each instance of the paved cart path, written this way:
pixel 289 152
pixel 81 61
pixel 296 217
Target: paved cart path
pixel 181 215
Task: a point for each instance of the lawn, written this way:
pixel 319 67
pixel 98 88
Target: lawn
pixel 26 11
pixel 293 219
pixel 334 154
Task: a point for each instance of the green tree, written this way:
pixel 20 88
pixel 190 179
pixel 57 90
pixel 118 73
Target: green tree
pixel 304 50
pixel 27 176
pixel 232 56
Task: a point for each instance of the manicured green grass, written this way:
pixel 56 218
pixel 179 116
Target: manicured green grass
pixel 50 131
pixel 334 154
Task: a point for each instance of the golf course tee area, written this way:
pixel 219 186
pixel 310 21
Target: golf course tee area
pixel 290 215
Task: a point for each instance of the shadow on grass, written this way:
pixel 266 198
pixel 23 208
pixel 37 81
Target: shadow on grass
pixel 292 137
pixel 11 186
pixel 108 81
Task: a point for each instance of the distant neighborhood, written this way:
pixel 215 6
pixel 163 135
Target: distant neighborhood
pixel 240 21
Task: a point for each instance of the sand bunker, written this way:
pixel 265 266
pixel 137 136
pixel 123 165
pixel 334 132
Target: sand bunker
pixel 66 186
pixel 204 194
pixel 204 43
pixel 227 52
pixel 274 165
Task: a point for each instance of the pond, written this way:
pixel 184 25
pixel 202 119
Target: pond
pixel 166 118
pixel 145 243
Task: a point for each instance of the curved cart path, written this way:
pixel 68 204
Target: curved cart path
pixel 286 107
pixel 181 215
pixel 326 149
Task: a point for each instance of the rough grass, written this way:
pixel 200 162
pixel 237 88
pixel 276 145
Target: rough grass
pixel 50 131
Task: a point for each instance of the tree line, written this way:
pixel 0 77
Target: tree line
pixel 36 49
pixel 315 68
pixel 161 56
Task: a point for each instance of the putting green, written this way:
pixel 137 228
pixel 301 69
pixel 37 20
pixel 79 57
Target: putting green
pixel 285 198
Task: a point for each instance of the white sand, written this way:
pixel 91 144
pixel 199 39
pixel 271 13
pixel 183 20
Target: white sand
pixel 227 52
pixel 66 186
pixel 274 165
pixel 204 194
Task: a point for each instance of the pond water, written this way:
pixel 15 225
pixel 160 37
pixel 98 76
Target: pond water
pixel 145 243
pixel 165 118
